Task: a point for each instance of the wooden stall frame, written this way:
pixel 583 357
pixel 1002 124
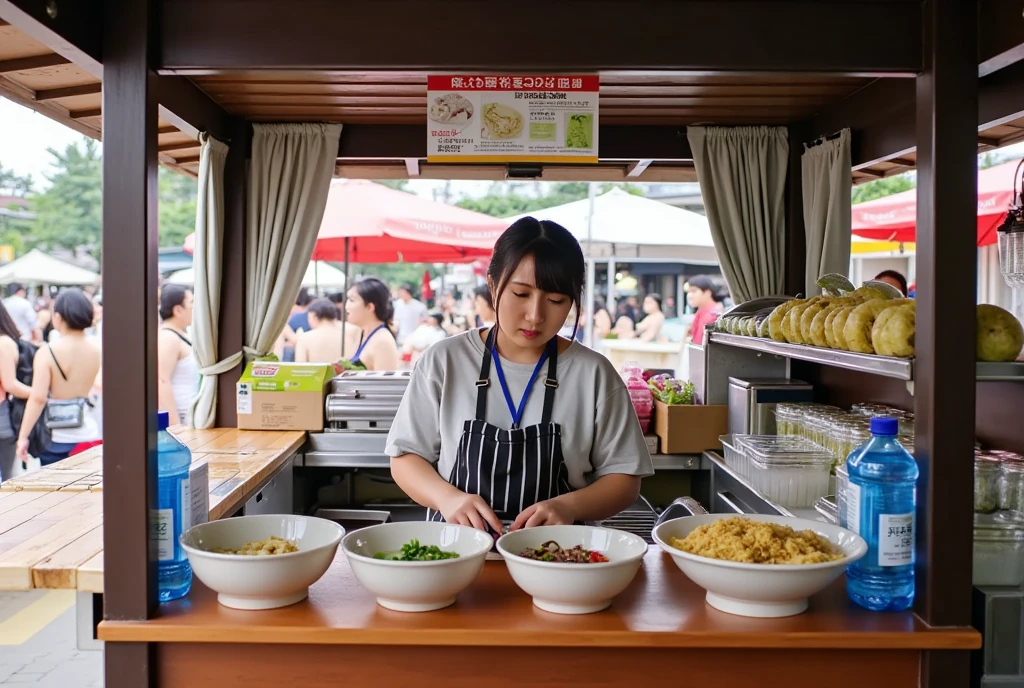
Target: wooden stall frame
pixel 148 48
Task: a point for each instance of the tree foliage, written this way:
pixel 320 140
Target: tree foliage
pixel 883 187
pixel 504 199
pixel 69 212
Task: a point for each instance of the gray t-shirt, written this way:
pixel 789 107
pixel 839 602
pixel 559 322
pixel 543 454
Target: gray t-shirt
pixel 23 314
pixel 599 428
pixel 408 317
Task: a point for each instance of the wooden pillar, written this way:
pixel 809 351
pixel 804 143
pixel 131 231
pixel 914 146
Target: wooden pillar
pixel 947 111
pixel 130 328
pixel 796 241
pixel 231 327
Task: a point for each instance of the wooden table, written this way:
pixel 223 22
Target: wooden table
pixel 659 631
pixel 51 521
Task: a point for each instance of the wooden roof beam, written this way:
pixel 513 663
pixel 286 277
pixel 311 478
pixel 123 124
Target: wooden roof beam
pixel 75 32
pixel 24 64
pixel 69 91
pixel 334 36
pixel 82 114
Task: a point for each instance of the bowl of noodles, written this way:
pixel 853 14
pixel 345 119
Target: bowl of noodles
pixel 572 569
pixel 264 561
pixel 761 566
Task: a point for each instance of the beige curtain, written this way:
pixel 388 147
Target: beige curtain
pixel 291 171
pixel 827 185
pixel 209 241
pixel 742 175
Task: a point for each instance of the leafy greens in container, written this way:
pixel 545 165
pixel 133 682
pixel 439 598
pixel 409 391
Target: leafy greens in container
pixel 671 391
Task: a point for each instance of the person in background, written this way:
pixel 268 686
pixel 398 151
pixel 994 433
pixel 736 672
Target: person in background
pixel 22 312
pixel 893 278
pixel 298 322
pixel 625 310
pixel 602 319
pixel 425 336
pixel 66 369
pixel 703 297
pixel 670 307
pixel 321 342
pixel 649 328
pixel 369 308
pixel 409 313
pixel 177 369
pixel 483 306
pixel 9 353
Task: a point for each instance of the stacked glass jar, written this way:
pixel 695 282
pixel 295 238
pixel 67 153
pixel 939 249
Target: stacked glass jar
pixel 998 518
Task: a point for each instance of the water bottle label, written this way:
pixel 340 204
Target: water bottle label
pixel 163 534
pixel 853 507
pixel 895 539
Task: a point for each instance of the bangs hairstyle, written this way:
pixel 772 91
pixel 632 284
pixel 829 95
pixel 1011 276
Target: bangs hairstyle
pixel 559 267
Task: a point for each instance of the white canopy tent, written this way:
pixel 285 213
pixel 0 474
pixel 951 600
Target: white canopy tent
pixel 319 275
pixel 628 226
pixel 36 267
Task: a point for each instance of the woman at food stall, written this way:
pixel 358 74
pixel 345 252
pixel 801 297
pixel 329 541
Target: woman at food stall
pixel 545 433
pixel 648 329
pixel 369 307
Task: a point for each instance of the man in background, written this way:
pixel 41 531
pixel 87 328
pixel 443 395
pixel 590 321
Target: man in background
pixel 298 322
pixel 22 311
pixel 893 278
pixel 409 313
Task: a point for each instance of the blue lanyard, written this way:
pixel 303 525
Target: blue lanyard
pixel 517 414
pixel 362 344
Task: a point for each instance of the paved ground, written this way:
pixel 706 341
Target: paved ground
pixel 37 642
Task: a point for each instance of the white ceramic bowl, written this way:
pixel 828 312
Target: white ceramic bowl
pixel 416 586
pixel 573 588
pixel 761 590
pixel 261 582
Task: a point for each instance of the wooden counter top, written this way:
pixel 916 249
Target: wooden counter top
pixel 51 521
pixel 662 608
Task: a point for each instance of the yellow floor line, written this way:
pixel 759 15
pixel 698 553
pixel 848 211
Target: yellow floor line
pixel 35 617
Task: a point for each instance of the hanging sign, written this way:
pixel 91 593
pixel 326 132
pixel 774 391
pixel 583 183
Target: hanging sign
pixel 511 118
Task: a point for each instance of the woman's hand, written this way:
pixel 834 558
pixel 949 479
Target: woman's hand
pixel 21 451
pixel 550 512
pixel 470 510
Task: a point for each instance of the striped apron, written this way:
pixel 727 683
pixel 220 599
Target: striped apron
pixel 516 468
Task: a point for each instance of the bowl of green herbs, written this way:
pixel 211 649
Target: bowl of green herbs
pixel 416 566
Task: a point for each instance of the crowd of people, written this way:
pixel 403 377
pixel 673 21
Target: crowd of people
pixel 50 376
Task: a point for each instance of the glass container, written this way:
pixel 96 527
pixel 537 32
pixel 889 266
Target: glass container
pixel 998 551
pixel 987 476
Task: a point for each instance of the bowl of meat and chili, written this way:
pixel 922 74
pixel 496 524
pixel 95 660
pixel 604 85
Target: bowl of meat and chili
pixel 572 569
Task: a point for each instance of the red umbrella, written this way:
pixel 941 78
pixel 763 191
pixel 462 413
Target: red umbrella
pixel 425 289
pixel 384 225
pixel 894 218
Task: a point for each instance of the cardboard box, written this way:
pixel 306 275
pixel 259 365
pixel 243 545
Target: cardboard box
pixel 199 489
pixel 689 429
pixel 282 396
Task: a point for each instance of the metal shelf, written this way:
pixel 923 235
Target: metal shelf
pixel 898 368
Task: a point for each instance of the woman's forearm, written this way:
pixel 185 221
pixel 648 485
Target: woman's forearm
pixel 33 409
pixel 418 478
pixel 605 497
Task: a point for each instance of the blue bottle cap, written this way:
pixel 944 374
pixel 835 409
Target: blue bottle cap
pixel 163 420
pixel 883 425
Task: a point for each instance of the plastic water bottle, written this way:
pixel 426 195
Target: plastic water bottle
pixel 639 394
pixel 880 505
pixel 173 515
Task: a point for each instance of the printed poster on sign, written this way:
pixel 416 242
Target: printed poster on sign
pixel 509 118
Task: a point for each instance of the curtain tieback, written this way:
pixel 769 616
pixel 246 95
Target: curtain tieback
pixel 222 366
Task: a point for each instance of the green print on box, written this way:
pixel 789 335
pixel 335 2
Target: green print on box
pixel 542 131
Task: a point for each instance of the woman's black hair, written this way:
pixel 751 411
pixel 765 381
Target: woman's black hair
pixel 484 292
pixel 372 291
pixel 324 309
pixel 892 274
pixel 559 267
pixel 170 296
pixel 75 309
pixel 7 325
pixel 304 298
pixel 656 298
